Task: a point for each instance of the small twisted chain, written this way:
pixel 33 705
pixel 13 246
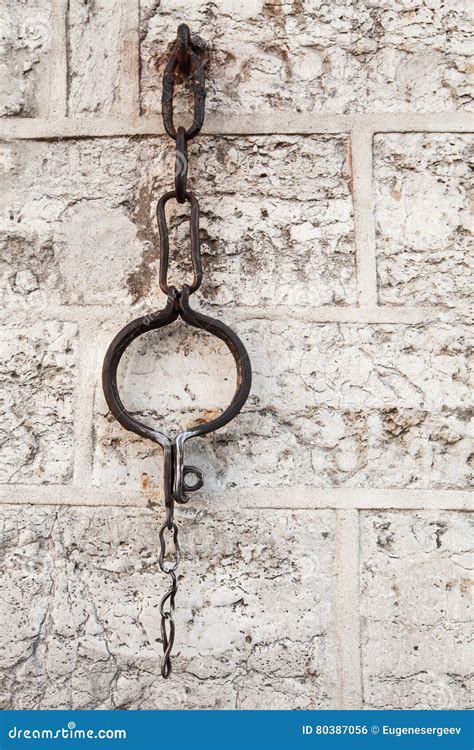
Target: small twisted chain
pixel 168 562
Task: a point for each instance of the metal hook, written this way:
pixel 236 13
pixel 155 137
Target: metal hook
pixel 183 46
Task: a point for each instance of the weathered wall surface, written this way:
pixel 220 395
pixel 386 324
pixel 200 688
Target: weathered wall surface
pixel 326 561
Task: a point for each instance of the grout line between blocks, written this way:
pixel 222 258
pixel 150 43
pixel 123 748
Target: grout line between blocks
pixel 348 655
pixel 364 221
pixel 129 96
pixel 362 314
pixel 307 497
pixel 84 410
pixel 258 123
pixel 57 93
pixel 292 498
pixel 94 314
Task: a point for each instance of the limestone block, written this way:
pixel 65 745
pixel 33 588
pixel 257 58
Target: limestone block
pixel 416 602
pixel 333 405
pixel 81 589
pixel 313 56
pixel 423 202
pixel 38 377
pixel 25 40
pixel 276 221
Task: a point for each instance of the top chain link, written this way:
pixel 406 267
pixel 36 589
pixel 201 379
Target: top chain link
pixel 191 67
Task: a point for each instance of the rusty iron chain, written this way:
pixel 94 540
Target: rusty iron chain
pixel 189 65
pixel 179 479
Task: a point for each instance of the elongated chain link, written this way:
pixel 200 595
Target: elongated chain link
pixel 184 59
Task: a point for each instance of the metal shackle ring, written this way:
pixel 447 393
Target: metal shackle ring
pixel 177 306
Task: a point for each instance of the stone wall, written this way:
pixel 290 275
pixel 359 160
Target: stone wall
pixel 326 561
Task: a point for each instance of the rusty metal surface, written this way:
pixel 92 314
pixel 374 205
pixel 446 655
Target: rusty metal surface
pixel 164 241
pixel 193 72
pixel 183 45
pixel 176 488
pixel 181 165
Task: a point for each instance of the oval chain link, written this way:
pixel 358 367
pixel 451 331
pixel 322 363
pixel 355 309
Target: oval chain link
pixel 193 71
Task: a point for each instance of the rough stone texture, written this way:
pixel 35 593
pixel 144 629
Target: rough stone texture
pixel 416 604
pixel 349 405
pixel 305 56
pixel 25 38
pixel 424 198
pixel 279 207
pixel 37 402
pixel 97 56
pixel 69 198
pixel 339 405
pixel 80 595
pixel 382 55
